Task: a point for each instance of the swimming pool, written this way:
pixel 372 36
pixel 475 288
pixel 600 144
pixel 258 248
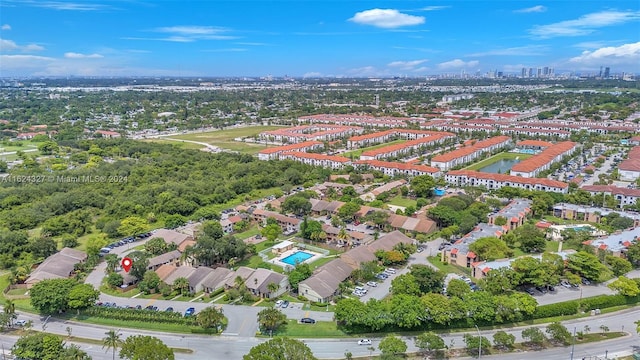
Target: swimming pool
pixel 296 258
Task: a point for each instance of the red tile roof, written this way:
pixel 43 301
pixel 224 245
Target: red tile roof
pixel 455 154
pixel 547 155
pixel 304 155
pixel 399 166
pixel 509 178
pixel 291 147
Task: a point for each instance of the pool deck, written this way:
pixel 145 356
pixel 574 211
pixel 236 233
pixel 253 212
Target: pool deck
pixel 277 260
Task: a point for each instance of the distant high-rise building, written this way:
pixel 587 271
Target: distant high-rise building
pixel 524 73
pixel 600 73
pixel 545 71
pixel 539 73
pixel 606 72
pixel 531 72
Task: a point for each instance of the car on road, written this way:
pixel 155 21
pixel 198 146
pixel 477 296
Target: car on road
pixel 358 293
pixel 190 311
pixel 169 309
pixel 565 285
pixel 382 276
pixel 364 342
pixel 279 303
pixel 372 283
pixel 307 321
pixel 585 282
pixel 285 304
pixel 420 249
pixel 542 289
pixel 20 322
pixel 390 270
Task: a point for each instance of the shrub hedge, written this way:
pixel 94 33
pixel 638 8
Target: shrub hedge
pixel 139 315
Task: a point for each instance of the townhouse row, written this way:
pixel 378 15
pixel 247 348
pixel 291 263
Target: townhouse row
pixel 531 167
pixel 469 154
pixel 320 132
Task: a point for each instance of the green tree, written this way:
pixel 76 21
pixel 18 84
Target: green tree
pixel 140 264
pixel 405 284
pixel 625 286
pixel 473 343
pixel 82 296
pixel 73 352
pixel 156 246
pixel 281 348
pixel 210 318
pixel 300 272
pixel 490 248
pixel 140 347
pixel 588 266
pixel 133 225
pixel 428 279
pixel 181 285
pixel 530 238
pixel 113 261
pixel 458 288
pixel 297 205
pixel 41 346
pixel 51 296
pixel 348 211
pixel 558 333
pixel 150 282
pixel 503 339
pixel 48 147
pixel 270 319
pixel 499 281
pixel 429 341
pixel 112 341
pixel 618 265
pixel 392 345
pixel 423 185
pixel 271 232
pixel 534 336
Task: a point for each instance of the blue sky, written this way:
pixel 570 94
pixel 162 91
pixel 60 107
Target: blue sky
pixel 314 38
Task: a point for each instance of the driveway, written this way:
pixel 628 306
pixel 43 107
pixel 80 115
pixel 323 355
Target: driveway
pixel 418 258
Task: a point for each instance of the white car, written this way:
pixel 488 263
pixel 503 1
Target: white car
pixel 279 303
pixel 390 271
pixel 21 322
pixel 364 342
pixel 372 283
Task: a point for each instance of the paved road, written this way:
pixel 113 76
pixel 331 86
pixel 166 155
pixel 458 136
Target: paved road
pixel 233 347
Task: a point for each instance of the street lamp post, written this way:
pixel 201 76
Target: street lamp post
pixel 479 342
pixel 573 342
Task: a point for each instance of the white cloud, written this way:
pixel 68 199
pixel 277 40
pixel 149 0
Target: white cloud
pixel 364 71
pixel 63 5
pixel 227 50
pixel 191 30
pixel 406 65
pixel 312 74
pixel 590 44
pixel 6 27
pixel 584 25
pixel 386 18
pixel 531 50
pixel 14 62
pixel 457 64
pixel 533 9
pixel 73 55
pixel 627 53
pixel 10 45
pixel 434 8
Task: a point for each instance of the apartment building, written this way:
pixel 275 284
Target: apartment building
pixel 327 161
pixel 629 169
pixel 468 154
pixel 589 213
pixel 405 148
pixel 274 152
pixel 397 168
pixel 531 167
pixel 496 181
pixel 624 196
pixel 288 224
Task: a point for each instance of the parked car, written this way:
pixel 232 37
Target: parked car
pixel 530 291
pixel 551 288
pixel 381 277
pixel 190 311
pixel 390 270
pixel 541 289
pixel 279 303
pixel 364 342
pixel 307 321
pixel 285 304
pixel 20 322
pixel 372 283
pixel 420 249
pixel 586 281
pixel 169 309
pixel 565 284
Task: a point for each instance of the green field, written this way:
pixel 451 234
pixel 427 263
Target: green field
pixel 225 138
pixel 7 146
pixel 402 201
pixel 504 155
pixel 356 153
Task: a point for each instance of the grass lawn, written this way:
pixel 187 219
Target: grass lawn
pixel 402 201
pixel 316 264
pixel 320 329
pixel 127 294
pixel 7 146
pixel 254 230
pixel 356 153
pixel 181 144
pixel 225 138
pixel 17 292
pixel 496 158
pixel 448 268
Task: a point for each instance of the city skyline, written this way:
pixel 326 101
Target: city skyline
pixel 316 38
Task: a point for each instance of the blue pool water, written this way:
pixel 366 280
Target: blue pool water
pixel 296 258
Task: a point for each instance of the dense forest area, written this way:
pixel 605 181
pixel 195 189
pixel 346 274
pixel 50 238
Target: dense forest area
pixel 111 180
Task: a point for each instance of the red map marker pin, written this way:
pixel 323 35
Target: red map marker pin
pixel 126 264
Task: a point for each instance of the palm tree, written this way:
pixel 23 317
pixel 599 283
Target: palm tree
pixel 210 318
pixel 73 352
pixel 273 288
pixel 112 262
pixel 10 310
pixel 271 318
pixel 181 284
pixel 112 341
pixel 344 236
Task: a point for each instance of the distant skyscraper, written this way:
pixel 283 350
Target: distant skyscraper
pixel 606 72
pixel 539 73
pixel 600 74
pixel 531 72
pixel 545 71
pixel 524 73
